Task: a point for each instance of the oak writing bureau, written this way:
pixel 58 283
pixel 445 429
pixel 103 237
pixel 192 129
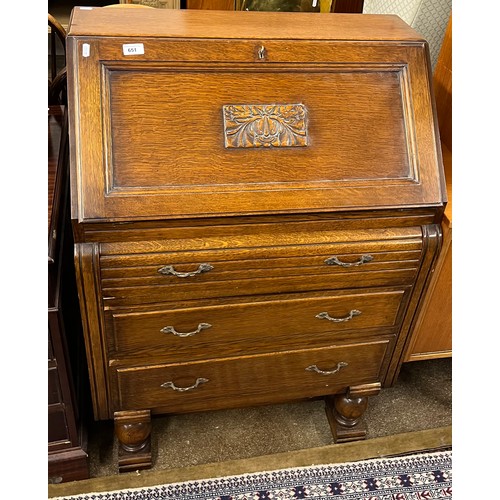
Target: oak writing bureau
pixel 256 203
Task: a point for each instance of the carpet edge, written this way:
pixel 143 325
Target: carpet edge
pixel 381 447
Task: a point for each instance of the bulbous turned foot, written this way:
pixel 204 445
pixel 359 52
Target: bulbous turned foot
pixel 133 431
pixel 345 412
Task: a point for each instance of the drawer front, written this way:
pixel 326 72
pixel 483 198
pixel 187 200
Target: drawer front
pixel 184 269
pixel 250 328
pixel 249 380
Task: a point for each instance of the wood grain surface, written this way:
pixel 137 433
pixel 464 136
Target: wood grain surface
pixel 186 23
pixel 248 380
pixel 218 277
pixel 365 148
pixel 258 327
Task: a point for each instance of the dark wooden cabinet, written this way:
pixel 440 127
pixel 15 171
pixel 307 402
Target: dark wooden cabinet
pixel 67 373
pixel 256 205
pixel 210 4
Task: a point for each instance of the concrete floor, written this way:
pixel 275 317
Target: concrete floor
pixel 421 399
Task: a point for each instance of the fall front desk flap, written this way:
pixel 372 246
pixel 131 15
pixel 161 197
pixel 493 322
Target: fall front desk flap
pixel 190 113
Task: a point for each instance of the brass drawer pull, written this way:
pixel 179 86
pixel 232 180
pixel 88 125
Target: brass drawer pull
pixel 314 368
pixel 171 385
pixel 171 329
pixel 334 261
pixel 325 315
pixel 202 268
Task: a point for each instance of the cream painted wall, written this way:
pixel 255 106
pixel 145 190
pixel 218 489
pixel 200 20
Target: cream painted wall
pixel 428 17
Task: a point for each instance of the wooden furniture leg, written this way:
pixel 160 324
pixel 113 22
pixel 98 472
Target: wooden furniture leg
pixel 133 430
pixel 345 411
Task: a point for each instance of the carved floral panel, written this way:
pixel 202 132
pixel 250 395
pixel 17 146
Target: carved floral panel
pixel 265 125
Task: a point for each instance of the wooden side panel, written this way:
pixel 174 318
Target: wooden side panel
pixel 86 265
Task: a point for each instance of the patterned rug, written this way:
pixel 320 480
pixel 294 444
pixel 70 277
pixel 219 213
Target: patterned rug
pixel 413 477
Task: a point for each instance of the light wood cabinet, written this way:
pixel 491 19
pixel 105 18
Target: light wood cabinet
pixel 432 336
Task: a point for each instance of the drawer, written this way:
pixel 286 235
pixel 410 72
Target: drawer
pixel 183 269
pixel 249 328
pixel 249 380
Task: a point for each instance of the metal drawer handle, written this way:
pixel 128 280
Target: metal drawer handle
pixel 171 329
pixel 325 315
pixel 202 268
pixel 171 385
pixel 314 368
pixel 335 261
